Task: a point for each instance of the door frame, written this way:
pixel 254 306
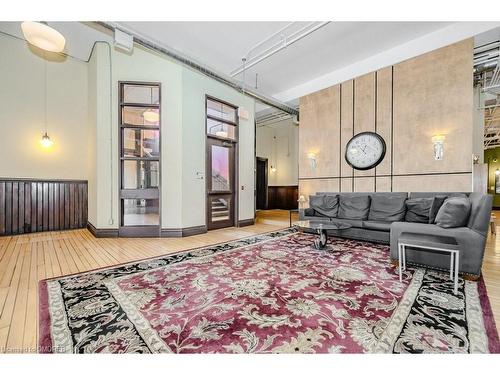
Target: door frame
pixel 137 230
pixel 235 142
pixel 265 160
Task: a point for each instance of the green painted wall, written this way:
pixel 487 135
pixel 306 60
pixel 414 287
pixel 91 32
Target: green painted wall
pixel 492 158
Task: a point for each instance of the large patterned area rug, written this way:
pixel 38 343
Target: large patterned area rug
pixel 266 294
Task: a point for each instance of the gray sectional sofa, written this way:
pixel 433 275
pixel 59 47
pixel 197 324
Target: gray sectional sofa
pixel 382 217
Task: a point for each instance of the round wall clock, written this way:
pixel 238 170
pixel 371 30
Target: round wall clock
pixel 365 150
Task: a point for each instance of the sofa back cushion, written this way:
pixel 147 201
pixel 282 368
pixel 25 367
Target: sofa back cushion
pixel 418 209
pixel 354 206
pixel 324 204
pixel 454 213
pixel 387 207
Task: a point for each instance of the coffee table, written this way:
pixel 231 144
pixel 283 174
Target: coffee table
pixel 321 228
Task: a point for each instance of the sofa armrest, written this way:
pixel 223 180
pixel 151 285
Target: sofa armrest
pixel 472 245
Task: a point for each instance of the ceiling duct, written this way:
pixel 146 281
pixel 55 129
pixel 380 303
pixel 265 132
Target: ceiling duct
pixel 142 40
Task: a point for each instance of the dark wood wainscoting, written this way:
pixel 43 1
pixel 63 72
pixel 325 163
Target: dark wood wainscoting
pixel 28 206
pixel 282 197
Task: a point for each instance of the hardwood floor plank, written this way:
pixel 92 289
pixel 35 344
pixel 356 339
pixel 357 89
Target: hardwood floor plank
pixel 17 324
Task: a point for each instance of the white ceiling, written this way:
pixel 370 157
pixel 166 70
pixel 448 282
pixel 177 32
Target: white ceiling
pixel 221 46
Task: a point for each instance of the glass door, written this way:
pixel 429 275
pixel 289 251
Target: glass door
pixel 220 184
pixel 221 152
pixel 139 159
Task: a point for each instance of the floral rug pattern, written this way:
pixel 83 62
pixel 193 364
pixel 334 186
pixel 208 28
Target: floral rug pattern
pixel 266 294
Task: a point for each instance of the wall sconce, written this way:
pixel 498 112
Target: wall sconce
pixel 438 141
pixel 312 159
pixel 273 169
pixel 46 142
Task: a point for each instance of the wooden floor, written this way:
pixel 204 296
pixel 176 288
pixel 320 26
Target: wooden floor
pixel 27 259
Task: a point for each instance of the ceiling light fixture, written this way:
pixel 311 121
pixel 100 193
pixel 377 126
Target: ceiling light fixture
pixel 151 116
pixel 46 142
pixel 43 36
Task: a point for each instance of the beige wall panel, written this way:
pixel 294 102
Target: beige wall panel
pixel 433 95
pixel 449 182
pixel 319 132
pixel 364 109
pixel 383 184
pixel 346 184
pixel 310 187
pixel 384 116
pixel 364 184
pixel 347 126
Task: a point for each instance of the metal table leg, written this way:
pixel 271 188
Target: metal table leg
pixel 401 250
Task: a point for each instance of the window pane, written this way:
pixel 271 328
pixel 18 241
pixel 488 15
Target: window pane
pixel 221 129
pixel 140 116
pixel 141 143
pixel 220 208
pixel 141 212
pixel 140 174
pixel 220 110
pixel 220 168
pixel 141 94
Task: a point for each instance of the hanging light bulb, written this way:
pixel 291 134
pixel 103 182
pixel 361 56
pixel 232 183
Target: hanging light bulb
pixel 151 116
pixel 43 36
pixel 46 142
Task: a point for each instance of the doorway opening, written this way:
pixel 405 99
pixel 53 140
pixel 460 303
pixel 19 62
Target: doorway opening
pixel 276 165
pixel 221 147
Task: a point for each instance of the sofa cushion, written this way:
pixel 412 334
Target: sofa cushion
pixel 387 207
pixel 418 210
pixel 436 205
pixel 325 204
pixel 454 213
pixel 352 222
pixel 354 206
pixel 384 226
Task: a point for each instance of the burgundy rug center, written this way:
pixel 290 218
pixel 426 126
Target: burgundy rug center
pixel 279 296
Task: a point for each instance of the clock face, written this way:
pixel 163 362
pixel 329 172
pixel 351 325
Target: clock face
pixel 365 150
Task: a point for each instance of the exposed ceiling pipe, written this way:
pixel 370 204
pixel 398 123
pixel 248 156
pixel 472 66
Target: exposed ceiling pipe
pixel 139 39
pixel 247 55
pixel 279 46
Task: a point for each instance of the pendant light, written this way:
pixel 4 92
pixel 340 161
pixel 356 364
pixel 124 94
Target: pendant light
pixel 46 142
pixel 43 36
pixel 151 116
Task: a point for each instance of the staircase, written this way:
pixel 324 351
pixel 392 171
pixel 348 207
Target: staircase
pixel 220 210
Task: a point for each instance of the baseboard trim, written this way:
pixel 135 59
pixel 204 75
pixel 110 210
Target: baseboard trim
pixel 102 233
pixel 246 222
pixel 183 232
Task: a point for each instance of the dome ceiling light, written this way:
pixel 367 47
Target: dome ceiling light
pixel 43 36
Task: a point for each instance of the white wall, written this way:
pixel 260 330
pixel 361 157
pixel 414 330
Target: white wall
pixel 195 87
pixel 83 122
pixel 182 137
pixel 22 114
pixel 279 143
